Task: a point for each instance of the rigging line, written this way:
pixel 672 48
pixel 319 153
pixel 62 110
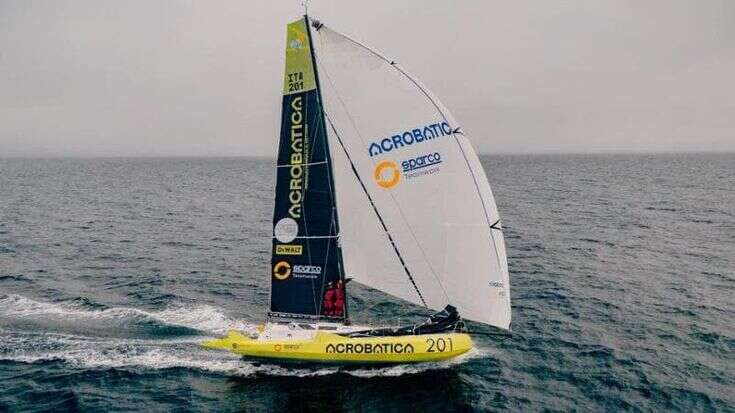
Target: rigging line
pixel 441 112
pixel 318 301
pixel 464 155
pixel 429 97
pixel 340 261
pixel 324 276
pixel 372 203
pixel 395 201
pixel 392 196
pixel 380 218
pixel 288 165
pixel 375 209
pixel 315 295
pixel 310 151
pixel 304 190
pixel 321 122
pixel 316 236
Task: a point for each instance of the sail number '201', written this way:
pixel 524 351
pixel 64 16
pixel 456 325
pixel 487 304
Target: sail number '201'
pixel 439 345
pixel 295 81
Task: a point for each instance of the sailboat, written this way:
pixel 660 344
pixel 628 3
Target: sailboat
pixel 376 183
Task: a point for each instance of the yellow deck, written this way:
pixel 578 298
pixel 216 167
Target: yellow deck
pixel 332 348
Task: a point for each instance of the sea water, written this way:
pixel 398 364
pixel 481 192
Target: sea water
pixel 112 270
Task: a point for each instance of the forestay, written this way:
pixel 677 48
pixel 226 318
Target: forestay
pixel 417 216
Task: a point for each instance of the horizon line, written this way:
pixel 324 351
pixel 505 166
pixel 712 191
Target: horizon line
pixel 510 153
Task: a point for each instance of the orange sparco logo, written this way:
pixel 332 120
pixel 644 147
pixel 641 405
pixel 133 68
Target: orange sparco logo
pixel 282 270
pixel 387 174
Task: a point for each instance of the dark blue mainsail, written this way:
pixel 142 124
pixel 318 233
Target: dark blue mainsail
pixel 306 254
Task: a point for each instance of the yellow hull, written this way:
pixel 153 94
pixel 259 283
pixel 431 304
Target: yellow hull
pixel 327 347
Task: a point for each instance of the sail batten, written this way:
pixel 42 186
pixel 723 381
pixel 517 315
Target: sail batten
pixel 409 181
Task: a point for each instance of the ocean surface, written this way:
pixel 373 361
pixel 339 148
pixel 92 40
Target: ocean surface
pixel 112 270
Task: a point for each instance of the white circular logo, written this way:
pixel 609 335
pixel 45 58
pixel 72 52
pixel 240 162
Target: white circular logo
pixel 286 230
pixel 296 44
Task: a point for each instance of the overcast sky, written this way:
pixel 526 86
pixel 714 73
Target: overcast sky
pixel 203 78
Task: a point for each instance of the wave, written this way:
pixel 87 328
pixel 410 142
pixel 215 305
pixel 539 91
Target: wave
pixel 101 352
pixel 94 353
pixel 202 318
pixel 406 369
pixel 97 353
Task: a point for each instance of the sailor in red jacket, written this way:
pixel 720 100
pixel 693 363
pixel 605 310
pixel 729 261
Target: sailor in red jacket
pixel 339 299
pixel 329 297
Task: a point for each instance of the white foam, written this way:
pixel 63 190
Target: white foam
pixel 101 353
pixel 97 353
pixel 405 369
pixel 204 318
pixel 89 352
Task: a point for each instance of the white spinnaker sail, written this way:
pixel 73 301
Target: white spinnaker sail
pixel 423 178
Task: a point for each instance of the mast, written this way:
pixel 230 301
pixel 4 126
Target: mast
pixel 340 261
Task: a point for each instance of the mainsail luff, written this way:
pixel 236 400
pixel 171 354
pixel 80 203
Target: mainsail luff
pixel 445 257
pixel 340 261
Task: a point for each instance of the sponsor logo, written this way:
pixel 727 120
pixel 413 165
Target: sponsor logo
pixel 286 230
pixel 386 174
pixel 282 270
pixel 410 137
pixel 289 249
pixel 422 161
pixel 277 347
pixel 296 44
pixel 298 38
pixel 296 168
pixel 307 271
pixel 370 348
pixel 499 286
